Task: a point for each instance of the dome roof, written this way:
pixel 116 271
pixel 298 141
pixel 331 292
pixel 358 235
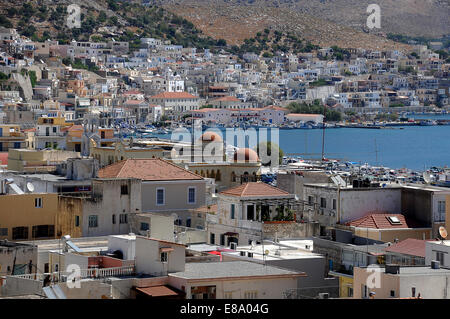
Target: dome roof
pixel 211 137
pixel 246 154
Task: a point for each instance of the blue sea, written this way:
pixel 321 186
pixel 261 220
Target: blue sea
pixel 414 147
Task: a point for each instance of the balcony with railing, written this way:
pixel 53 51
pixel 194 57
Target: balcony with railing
pixel 91 273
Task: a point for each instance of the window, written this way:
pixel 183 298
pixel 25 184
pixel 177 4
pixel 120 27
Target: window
pixel 3 231
pixel 93 221
pixel 310 200
pixel 232 211
pixel 222 239
pixel 323 202
pixel 188 222
pixel 440 257
pixel 250 212
pixel 334 203
pixel 114 218
pixel 38 202
pixel 77 221
pixel 441 211
pixel 145 226
pixel 251 295
pixel 191 195
pixel 228 295
pixel 413 292
pixel 349 292
pixel 124 190
pixel 392 293
pixel 41 231
pixel 394 220
pixel 212 238
pixel 164 257
pixel 364 291
pixel 123 218
pixel 160 196
pixel 19 233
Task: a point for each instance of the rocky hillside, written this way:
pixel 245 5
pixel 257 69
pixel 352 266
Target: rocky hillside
pixel 427 18
pixel 237 23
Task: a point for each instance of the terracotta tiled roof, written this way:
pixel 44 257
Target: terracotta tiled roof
pixel 152 169
pixel 76 128
pixel 174 95
pixel 274 107
pixel 134 102
pixel 254 189
pixel 381 221
pixel 410 246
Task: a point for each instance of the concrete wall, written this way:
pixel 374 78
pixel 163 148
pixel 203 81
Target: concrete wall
pixel 127 246
pixel 267 288
pixel 430 252
pixel 357 203
pixel 90 289
pixel 271 230
pixel 20 211
pixel 417 204
pixel 148 257
pixel 19 255
pixel 15 286
pixel 176 195
pixel 107 201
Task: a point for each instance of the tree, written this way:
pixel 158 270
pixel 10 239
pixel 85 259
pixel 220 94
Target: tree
pixel 269 146
pixel 315 108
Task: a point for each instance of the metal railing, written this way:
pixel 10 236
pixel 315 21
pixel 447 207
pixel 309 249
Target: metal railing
pixel 84 273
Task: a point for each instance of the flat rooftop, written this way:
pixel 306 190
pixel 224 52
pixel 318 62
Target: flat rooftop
pixel 231 269
pixel 82 243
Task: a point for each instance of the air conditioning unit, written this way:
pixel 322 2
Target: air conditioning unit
pixel 324 295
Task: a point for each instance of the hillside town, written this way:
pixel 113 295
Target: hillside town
pixel 96 204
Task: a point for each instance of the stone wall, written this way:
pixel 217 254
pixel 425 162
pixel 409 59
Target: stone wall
pixel 290 230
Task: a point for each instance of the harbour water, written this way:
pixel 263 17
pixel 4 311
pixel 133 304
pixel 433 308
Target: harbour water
pixel 414 147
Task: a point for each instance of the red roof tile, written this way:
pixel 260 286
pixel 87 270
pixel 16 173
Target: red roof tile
pixel 381 221
pixel 152 169
pixel 255 189
pixel 410 246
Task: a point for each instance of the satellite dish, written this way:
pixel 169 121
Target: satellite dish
pixel 443 232
pixel 253 244
pixel 30 187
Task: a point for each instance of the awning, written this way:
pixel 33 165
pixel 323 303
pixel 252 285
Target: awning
pixel 166 250
pixel 158 291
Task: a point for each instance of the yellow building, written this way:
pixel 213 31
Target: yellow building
pixel 75 137
pixel 345 284
pixel 21 160
pixel 34 216
pixel 11 137
pixel 107 155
